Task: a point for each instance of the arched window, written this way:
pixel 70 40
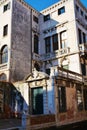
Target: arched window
pixel 3 77
pixel 4 54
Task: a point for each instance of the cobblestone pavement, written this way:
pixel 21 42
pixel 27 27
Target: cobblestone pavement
pixel 8 124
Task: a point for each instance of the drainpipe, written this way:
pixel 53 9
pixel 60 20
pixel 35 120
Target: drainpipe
pixel 31 39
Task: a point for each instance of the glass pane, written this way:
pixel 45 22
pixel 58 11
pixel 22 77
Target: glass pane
pixel 37 100
pixel 4 55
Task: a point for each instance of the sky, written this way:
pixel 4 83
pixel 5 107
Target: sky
pixel 42 4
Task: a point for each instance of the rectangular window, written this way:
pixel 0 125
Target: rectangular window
pixel 35 19
pixel 63 39
pixel 66 67
pixel 85 98
pixel 77 8
pixel 5 30
pixel 81 13
pixel 79 99
pixel 84 38
pixel 55 42
pixel 6 7
pixel 85 17
pixel 48 45
pixel 61 10
pixel 36 44
pixel 62 99
pixel 37 100
pixel 46 17
pixel 48 71
pixel 83 68
pixel 79 36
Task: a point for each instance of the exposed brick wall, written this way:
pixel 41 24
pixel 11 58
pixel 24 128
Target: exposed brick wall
pixel 35 120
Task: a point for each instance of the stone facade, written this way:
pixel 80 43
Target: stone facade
pixel 67 21
pixel 20 35
pixel 41 45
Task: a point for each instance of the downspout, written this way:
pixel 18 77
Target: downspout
pixel 31 39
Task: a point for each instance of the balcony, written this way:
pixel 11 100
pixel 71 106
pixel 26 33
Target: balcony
pixel 83 48
pixel 56 54
pixel 71 75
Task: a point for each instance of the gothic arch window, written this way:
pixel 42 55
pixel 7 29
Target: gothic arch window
pixel 4 54
pixel 3 77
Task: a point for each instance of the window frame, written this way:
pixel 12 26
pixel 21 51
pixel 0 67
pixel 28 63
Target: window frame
pixel 4 54
pixel 55 42
pixel 77 8
pixel 46 17
pixel 6 7
pixel 35 19
pixel 79 94
pixel 36 44
pixel 80 36
pixel 47 71
pixel 5 30
pixel 62 99
pixel 61 10
pixel 48 44
pixel 34 95
pixel 63 41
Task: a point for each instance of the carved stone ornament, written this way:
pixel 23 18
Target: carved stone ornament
pixel 37 75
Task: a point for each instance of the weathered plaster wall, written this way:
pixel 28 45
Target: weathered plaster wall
pixel 21 42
